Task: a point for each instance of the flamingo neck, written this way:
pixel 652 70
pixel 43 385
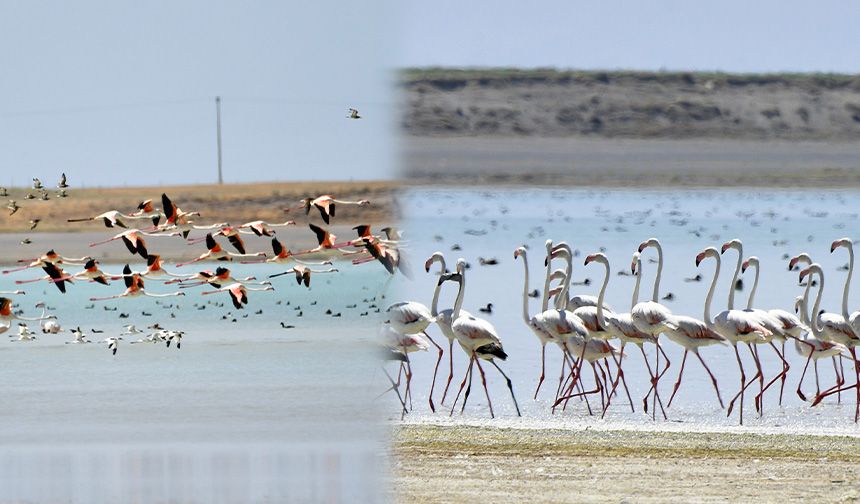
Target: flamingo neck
pixel 710 297
pixel 526 317
pixel 754 287
pixel 816 328
pixel 458 304
pixel 850 248
pixel 434 305
pixel 545 301
pixel 804 305
pixel 562 301
pixel 601 319
pixel 740 249
pixel 655 296
pixel 636 287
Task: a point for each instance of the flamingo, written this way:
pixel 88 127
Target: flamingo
pixel 780 322
pixel 283 255
pixel 111 219
pixel 178 220
pixel 90 272
pixel 326 241
pixel 132 240
pixel 534 322
pixel 735 326
pixel 50 257
pixel 478 338
pixel 444 318
pixel 238 293
pixel 48 325
pixel 134 288
pixel 580 300
pixel 833 328
pixel 7 315
pixel 155 271
pixel 145 210
pixel 263 228
pixel 403 344
pixel 412 317
pixel 326 205
pixel 303 273
pixel 221 276
pixel 216 253
pixel 232 234
pixel 55 274
pixel 813 348
pixel 650 317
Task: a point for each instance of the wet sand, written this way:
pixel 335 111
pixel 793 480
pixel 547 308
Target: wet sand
pixel 633 163
pixel 441 464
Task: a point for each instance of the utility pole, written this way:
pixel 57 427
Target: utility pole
pixel 218 125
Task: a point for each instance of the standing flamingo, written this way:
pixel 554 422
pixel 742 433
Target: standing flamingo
pixel 736 326
pixel 478 338
pixel 412 317
pixel 444 320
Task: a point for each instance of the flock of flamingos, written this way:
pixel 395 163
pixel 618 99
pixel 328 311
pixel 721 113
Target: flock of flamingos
pixel 586 330
pixel 170 220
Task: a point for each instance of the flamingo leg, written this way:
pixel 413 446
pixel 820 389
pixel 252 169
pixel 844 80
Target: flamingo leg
pixel 784 375
pixel 462 385
pixel 542 369
pixel 781 375
pixel 599 381
pixel 817 387
pixel 468 387
pixel 741 392
pixel 677 383
pixel 450 369
pixel 760 375
pixel 486 390
pixel 575 375
pixel 409 383
pixel 619 376
pixel 805 366
pixel 713 378
pixel 510 386
pixel 435 370
pixel 396 388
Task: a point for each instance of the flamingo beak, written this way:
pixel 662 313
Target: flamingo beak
pixel 792 263
pixel 589 259
pixel 835 245
pixel 803 274
pixel 700 258
pixel 427 265
pixel 516 253
pixel 633 268
pixel 725 247
pixel 642 246
pixel 745 265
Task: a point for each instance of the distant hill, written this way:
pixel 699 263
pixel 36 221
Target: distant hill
pixel 552 103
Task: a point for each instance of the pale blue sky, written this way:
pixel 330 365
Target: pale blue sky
pixel 122 92
pixel 728 35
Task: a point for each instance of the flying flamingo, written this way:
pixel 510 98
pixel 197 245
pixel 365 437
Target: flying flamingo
pixel 478 338
pixel 90 272
pixel 216 253
pixel 238 293
pixel 111 218
pixel 155 271
pixel 326 205
pixel 145 210
pixel 736 326
pixel 263 228
pixel 221 276
pixel 412 317
pixel 283 255
pixel 231 233
pixel 133 241
pixel 134 288
pixel 55 274
pixel 303 273
pixel 326 241
pixel 50 257
pixel 179 221
pixel 834 328
pixel 651 316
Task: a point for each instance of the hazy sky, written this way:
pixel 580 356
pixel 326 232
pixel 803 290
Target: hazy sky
pixel 122 92
pixel 729 35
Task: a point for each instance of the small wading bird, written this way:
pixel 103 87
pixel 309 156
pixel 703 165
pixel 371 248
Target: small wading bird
pixel 352 113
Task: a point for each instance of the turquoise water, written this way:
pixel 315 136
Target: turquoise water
pixel 244 412
pixel 491 224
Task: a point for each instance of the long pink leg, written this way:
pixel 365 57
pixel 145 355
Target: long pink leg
pixel 713 378
pixel 745 385
pixel 803 374
pixel 435 370
pixel 486 390
pixel 618 376
pixel 781 375
pixel 450 369
pixel 462 385
pixel 396 389
pixel 784 376
pixel 741 392
pixel 817 387
pixel 677 383
pixel 542 368
pixel 468 387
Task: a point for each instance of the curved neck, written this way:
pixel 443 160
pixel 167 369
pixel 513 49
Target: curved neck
pixel 754 287
pixel 710 297
pixel 804 304
pixel 816 329
pixel 847 282
pixel 434 305
pixel 459 302
pixel 731 305
pixel 636 287
pixel 601 319
pixel 655 296
pixel 562 301
pixel 545 303
pixel 526 288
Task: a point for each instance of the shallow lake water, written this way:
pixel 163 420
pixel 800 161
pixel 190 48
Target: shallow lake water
pixel 493 223
pixel 245 411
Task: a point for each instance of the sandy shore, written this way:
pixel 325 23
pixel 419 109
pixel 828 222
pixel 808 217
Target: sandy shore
pixel 441 464
pixel 632 163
